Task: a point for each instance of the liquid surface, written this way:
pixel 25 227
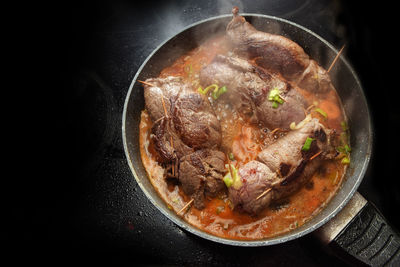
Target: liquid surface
pixel 245 141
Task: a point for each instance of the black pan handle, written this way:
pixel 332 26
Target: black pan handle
pixel 360 235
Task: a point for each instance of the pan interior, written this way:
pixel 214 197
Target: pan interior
pixel 343 77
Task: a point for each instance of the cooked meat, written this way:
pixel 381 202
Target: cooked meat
pixel 191 123
pixel 187 136
pixel 164 88
pixel 201 173
pixel 278 54
pixel 239 77
pixel 167 142
pixel 256 177
pixel 288 150
pixel 195 121
pixel 292 110
pixel 248 90
pixel 284 167
pixel 286 156
pixel 162 140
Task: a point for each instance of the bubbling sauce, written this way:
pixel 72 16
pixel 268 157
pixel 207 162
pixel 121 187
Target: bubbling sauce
pixel 244 140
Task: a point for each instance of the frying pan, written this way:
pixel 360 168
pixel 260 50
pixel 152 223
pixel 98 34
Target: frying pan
pixel 350 223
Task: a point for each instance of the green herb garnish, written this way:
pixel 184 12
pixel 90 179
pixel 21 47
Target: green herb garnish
pixel 228 180
pixel 344 153
pixel 323 113
pixel 275 97
pixel 344 125
pixel 345 160
pixel 307 144
pixel 347 148
pixel 232 178
pixel 205 90
pixel 218 92
pixel 344 149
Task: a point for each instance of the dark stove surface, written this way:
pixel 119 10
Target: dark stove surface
pixel 91 207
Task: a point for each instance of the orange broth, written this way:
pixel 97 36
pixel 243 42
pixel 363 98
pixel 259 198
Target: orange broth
pixel 245 141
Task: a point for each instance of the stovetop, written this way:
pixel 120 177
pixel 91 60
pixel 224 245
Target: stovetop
pixel 90 208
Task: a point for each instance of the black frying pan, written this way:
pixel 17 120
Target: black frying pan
pixel 359 228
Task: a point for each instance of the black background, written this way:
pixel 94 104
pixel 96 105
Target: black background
pixel 72 196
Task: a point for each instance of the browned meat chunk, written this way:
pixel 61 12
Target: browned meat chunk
pixel 278 54
pixel 284 168
pixel 186 134
pixel 164 88
pixel 288 150
pixel 195 121
pixel 190 123
pixel 239 77
pixel 201 173
pixel 256 178
pixel 248 90
pixel 287 158
pixel 167 142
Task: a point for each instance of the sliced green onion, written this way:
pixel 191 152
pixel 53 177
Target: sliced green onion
pixel 273 93
pixel 344 137
pixel 344 149
pixel 323 113
pixel 307 144
pixel 205 90
pixel 346 160
pixel 218 92
pixel 231 157
pixel 228 180
pixel 234 181
pixel 275 97
pixel 278 99
pixel 344 125
pixel 237 182
pixel 341 149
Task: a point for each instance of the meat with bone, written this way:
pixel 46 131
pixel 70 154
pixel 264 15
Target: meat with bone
pixel 282 167
pixel 277 53
pixel 249 88
pixel 201 173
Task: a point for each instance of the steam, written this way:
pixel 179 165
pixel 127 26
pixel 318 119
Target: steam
pixel 225 6
pixel 172 20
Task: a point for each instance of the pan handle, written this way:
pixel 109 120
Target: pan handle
pixel 359 234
